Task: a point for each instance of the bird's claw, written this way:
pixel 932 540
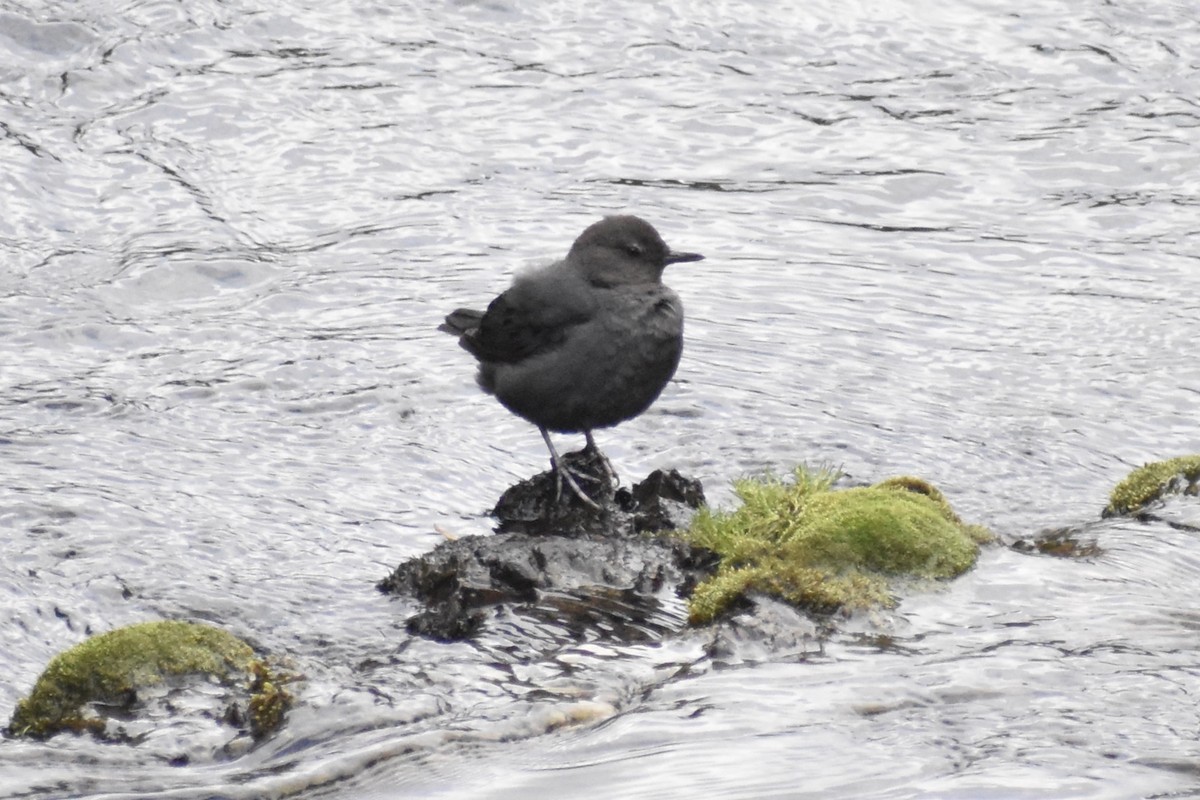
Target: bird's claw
pixel 563 474
pixel 594 454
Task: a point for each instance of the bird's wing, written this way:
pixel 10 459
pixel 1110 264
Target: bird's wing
pixel 526 320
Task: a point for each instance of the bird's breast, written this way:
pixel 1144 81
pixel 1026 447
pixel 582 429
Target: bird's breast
pixel 607 369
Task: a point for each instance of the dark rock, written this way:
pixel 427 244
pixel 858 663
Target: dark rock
pixel 541 506
pixel 583 568
pixel 537 506
pixel 664 501
pixel 1061 543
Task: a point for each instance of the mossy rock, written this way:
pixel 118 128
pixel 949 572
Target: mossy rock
pixel 107 671
pixel 1152 482
pixel 825 549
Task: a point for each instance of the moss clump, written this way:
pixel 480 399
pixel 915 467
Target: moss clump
pixel 269 701
pixel 109 669
pixel 822 549
pixel 1151 482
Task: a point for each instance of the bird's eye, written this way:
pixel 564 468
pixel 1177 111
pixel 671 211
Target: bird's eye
pixel 634 249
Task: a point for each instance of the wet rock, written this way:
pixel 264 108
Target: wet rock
pixel 664 501
pixel 198 684
pixel 1158 492
pixel 1077 542
pixel 762 628
pixel 538 506
pixel 559 557
pixel 1152 483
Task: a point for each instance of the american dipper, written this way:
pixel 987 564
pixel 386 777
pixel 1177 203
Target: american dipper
pixel 584 343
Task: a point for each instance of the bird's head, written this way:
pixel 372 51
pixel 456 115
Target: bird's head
pixel 624 250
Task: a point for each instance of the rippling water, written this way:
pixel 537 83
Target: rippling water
pixel 955 240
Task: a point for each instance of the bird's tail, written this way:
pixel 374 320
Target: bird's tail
pixel 461 320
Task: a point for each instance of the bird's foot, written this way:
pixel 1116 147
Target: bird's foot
pixel 564 475
pixel 593 454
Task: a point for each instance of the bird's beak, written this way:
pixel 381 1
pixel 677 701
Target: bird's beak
pixel 675 258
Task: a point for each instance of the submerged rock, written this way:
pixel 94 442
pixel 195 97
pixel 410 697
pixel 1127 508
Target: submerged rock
pixel 557 556
pixel 1069 542
pixel 1161 491
pixel 119 685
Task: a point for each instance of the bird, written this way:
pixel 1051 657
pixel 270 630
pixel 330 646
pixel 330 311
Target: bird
pixel 584 343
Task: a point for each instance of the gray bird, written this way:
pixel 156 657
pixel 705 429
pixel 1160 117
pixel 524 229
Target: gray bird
pixel 584 343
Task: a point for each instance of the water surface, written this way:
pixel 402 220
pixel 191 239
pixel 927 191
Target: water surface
pixel 952 241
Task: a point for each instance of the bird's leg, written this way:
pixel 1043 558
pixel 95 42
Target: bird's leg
pixel 607 466
pixel 563 474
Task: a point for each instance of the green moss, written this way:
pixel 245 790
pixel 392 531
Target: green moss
pixel 110 667
pixel 822 549
pixel 1151 481
pixel 269 701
